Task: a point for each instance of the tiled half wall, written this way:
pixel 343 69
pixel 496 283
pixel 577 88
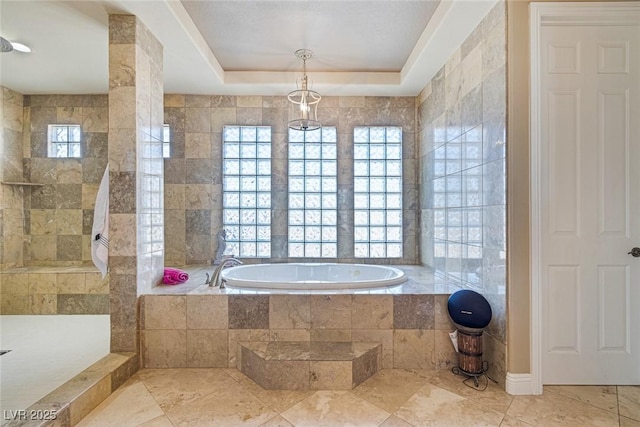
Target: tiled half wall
pixel 50 290
pixel 204 330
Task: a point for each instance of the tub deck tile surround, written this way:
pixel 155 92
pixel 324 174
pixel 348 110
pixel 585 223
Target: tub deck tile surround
pixel 304 365
pixel 194 325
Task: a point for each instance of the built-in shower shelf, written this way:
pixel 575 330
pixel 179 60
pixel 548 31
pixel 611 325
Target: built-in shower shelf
pixel 26 184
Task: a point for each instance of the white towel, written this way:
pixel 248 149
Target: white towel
pixel 100 229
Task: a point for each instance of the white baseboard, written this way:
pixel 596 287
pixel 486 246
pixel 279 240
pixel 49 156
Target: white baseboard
pixel 519 384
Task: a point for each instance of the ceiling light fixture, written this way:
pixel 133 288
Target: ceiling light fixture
pixel 304 102
pixel 7 46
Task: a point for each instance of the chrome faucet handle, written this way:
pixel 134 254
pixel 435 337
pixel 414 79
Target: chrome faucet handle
pixel 208 280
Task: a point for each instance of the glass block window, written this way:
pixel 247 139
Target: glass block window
pixel 64 141
pixel 166 141
pixel 377 166
pixel 151 200
pixel 313 189
pixel 472 193
pixel 246 190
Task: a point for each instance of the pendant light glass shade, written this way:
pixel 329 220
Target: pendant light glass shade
pixel 303 101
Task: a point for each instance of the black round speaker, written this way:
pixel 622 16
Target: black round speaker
pixel 469 309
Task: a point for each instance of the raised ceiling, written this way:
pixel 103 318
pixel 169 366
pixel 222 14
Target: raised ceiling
pixel 344 35
pixel 361 47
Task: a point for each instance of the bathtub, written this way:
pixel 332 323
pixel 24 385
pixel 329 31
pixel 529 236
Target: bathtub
pixel 312 276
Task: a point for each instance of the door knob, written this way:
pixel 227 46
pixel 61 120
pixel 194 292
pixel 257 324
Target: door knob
pixel 634 252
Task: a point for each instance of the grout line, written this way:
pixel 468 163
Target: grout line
pixel 618 404
pixel 152 396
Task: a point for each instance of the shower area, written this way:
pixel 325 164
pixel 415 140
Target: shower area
pixel 54 304
pixel 59 315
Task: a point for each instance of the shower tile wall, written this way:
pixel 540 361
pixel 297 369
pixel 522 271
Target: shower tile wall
pixel 59 214
pixel 193 174
pixel 461 125
pixel 46 241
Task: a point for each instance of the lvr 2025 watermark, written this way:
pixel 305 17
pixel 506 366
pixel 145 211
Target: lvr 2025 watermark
pixel 29 414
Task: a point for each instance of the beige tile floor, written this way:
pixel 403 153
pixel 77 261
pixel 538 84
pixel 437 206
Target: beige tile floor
pixel 391 398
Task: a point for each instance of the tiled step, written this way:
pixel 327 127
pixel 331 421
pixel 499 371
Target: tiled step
pixel 75 399
pixel 304 365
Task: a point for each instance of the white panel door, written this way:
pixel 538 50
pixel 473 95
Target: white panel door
pixel 590 203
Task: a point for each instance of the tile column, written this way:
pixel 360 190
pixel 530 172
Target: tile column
pixel 136 251
pixel 11 169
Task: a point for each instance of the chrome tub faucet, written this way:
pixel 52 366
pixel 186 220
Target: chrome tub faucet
pixel 226 261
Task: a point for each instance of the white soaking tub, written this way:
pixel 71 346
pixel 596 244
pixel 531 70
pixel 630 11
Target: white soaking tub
pixel 312 276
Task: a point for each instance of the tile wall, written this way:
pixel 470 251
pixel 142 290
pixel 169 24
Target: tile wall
pixel 47 290
pixel 46 247
pixel 193 175
pixel 203 330
pixel 59 214
pixel 461 125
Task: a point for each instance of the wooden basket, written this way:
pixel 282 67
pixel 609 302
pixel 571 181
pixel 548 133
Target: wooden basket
pixel 470 352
